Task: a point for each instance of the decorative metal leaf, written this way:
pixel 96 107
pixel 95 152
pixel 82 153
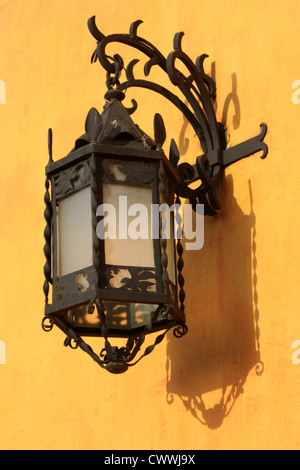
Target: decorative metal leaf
pixel 93 124
pixel 210 83
pixel 94 30
pixel 177 40
pixel 159 131
pixel 133 28
pixel 131 110
pixel 148 65
pixel 174 155
pixel 129 69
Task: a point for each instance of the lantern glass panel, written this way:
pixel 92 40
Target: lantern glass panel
pixel 74 240
pixel 128 316
pixel 170 250
pixel 119 316
pixel 80 318
pixel 128 230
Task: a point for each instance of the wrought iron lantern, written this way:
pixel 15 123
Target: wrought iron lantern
pixel 111 285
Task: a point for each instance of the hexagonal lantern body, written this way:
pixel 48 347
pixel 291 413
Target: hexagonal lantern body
pixel 113 245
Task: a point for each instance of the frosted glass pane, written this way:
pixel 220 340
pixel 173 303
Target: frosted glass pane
pixel 127 316
pixel 170 252
pixel 80 317
pixel 131 225
pixel 124 316
pixel 74 232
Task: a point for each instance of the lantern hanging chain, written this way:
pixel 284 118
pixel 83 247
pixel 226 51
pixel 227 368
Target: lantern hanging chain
pixel 119 66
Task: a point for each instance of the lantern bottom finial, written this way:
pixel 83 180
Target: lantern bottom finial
pixel 116 367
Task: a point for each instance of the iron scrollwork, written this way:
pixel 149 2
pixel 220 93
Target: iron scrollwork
pixel 71 179
pixel 71 285
pixel 131 278
pixel 198 89
pixel 114 359
pixel 127 172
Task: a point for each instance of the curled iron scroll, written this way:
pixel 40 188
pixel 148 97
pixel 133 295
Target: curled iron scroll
pixel 115 360
pixel 198 90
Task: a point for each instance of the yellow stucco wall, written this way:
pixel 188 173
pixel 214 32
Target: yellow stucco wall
pixel 242 304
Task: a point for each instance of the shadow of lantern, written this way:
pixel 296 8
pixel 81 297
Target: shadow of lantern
pixel 223 316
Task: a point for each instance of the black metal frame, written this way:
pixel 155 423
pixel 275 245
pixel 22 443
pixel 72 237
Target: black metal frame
pixel 112 136
pixel 199 90
pixel 88 164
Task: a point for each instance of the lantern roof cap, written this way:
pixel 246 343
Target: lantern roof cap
pixel 113 125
